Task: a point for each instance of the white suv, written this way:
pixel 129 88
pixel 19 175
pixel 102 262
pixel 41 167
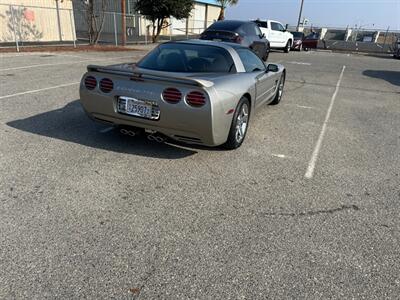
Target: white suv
pixel 276 34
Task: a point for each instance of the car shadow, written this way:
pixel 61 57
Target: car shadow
pixel 71 124
pixel 392 77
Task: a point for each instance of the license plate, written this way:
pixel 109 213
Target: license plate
pixel 217 40
pixel 138 108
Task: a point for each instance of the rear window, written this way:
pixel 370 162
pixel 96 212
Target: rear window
pixel 312 36
pixel 225 25
pixel 188 58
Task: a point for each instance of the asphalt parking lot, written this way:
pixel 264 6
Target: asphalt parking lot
pixel 307 208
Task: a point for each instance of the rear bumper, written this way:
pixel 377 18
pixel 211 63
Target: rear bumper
pixel 177 121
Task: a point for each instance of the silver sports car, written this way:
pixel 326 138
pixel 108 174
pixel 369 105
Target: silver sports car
pixel 198 92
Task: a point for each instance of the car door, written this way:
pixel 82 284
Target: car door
pixel 277 35
pixel 265 84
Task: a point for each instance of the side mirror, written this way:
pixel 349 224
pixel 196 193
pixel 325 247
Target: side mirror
pixel 287 26
pixel 262 35
pixel 272 68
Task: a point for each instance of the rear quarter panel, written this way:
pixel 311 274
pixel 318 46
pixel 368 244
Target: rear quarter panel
pixel 225 96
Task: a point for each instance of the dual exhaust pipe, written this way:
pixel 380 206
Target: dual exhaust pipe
pixel 128 132
pixel 155 137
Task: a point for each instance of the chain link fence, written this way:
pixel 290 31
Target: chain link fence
pixel 354 39
pixel 22 26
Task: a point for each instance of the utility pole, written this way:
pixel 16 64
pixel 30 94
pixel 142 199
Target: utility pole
pixel 300 12
pixel 123 19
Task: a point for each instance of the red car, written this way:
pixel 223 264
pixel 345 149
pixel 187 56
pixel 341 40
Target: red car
pixel 311 41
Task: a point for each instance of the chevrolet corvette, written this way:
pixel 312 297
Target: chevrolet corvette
pixel 194 91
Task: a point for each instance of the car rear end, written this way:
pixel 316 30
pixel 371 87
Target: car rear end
pixel 222 36
pixel 224 31
pixel 396 52
pixel 176 107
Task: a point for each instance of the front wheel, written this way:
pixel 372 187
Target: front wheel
pixel 239 125
pixel 288 46
pixel 279 90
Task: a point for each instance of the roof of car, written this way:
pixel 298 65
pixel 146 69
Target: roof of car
pixel 227 24
pixel 225 45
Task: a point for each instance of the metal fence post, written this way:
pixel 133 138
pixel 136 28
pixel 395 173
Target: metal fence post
pixel 14 27
pixel 187 28
pixel 115 30
pixel 72 28
pixel 59 21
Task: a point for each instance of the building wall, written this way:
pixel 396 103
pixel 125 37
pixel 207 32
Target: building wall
pixel 197 18
pixel 212 14
pixel 36 23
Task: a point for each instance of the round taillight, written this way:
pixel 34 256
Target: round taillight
pixel 106 85
pixel 196 98
pixel 90 82
pixel 172 95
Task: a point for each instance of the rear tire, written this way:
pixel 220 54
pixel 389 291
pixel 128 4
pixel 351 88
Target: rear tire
pixel 240 123
pixel 279 90
pixel 288 46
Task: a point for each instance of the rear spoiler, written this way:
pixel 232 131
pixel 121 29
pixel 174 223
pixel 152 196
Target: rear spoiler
pixel 140 74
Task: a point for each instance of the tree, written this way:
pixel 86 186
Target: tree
pixel 157 11
pixel 224 4
pixel 95 11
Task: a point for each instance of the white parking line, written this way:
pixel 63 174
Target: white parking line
pixel 39 90
pixel 3 55
pixel 65 63
pixel 311 165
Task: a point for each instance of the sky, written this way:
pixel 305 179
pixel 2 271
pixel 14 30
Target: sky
pixel 371 14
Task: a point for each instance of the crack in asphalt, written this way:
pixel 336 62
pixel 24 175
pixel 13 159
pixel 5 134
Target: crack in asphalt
pixel 315 212
pixel 145 279
pixel 303 83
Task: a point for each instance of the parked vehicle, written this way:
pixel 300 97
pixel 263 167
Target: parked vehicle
pixel 298 38
pixel 198 92
pixel 240 32
pixel 396 49
pixel 276 34
pixel 311 41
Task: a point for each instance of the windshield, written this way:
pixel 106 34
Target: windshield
pixel 190 58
